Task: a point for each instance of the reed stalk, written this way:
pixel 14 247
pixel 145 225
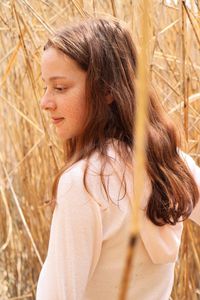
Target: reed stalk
pixel 142 89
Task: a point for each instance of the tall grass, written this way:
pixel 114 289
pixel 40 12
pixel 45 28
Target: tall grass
pixel 30 152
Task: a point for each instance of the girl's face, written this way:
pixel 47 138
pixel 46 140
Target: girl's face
pixel 64 96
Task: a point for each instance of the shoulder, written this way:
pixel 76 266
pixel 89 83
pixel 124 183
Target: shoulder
pixel 185 156
pixel 74 185
pixel 74 175
pixel 190 162
pixel 91 172
pixel 71 180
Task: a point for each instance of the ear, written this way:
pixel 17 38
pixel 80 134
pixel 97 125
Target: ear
pixel 109 98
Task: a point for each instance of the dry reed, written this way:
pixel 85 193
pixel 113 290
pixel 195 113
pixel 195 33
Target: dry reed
pixel 141 122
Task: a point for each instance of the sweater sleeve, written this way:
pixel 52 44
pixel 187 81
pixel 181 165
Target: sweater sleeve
pixel 195 170
pixel 77 236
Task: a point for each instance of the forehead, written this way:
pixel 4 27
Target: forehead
pixel 55 63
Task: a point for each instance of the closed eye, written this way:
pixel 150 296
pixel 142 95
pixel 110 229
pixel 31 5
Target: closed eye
pixel 59 89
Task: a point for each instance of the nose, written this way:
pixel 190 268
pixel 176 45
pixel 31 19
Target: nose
pixel 47 103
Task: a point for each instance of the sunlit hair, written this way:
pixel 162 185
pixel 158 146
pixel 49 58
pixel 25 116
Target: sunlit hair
pixel 105 50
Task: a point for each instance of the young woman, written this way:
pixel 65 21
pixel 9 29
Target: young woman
pixel 89 72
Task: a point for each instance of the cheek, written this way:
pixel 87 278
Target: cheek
pixel 74 110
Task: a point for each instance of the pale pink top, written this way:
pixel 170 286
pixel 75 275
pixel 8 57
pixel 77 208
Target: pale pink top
pixel 88 240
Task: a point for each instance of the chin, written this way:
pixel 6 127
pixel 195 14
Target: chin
pixel 63 136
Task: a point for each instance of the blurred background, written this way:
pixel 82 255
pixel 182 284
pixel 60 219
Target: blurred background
pixel 30 154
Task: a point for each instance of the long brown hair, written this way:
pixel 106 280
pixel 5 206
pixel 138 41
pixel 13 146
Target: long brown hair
pixel 105 50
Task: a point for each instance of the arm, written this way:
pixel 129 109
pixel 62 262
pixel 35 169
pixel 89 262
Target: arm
pixel 77 236
pixel 195 170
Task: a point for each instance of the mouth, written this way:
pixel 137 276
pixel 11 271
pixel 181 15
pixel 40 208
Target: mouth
pixel 57 120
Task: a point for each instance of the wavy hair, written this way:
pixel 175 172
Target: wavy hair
pixel 105 50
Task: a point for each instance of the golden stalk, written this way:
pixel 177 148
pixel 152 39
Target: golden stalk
pixel 11 62
pixel 21 213
pixel 171 58
pixel 36 15
pixel 166 81
pixel 114 10
pixel 23 159
pixel 82 12
pixel 139 155
pixel 22 115
pixel 184 68
pixel 9 220
pixel 193 26
pixel 196 254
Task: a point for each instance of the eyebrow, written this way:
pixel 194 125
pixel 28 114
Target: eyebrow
pixel 55 77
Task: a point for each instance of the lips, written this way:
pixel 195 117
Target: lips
pixel 57 120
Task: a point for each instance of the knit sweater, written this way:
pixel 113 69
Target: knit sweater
pixel 89 238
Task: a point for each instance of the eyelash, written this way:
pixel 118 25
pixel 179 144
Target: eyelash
pixel 56 88
pixel 59 89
